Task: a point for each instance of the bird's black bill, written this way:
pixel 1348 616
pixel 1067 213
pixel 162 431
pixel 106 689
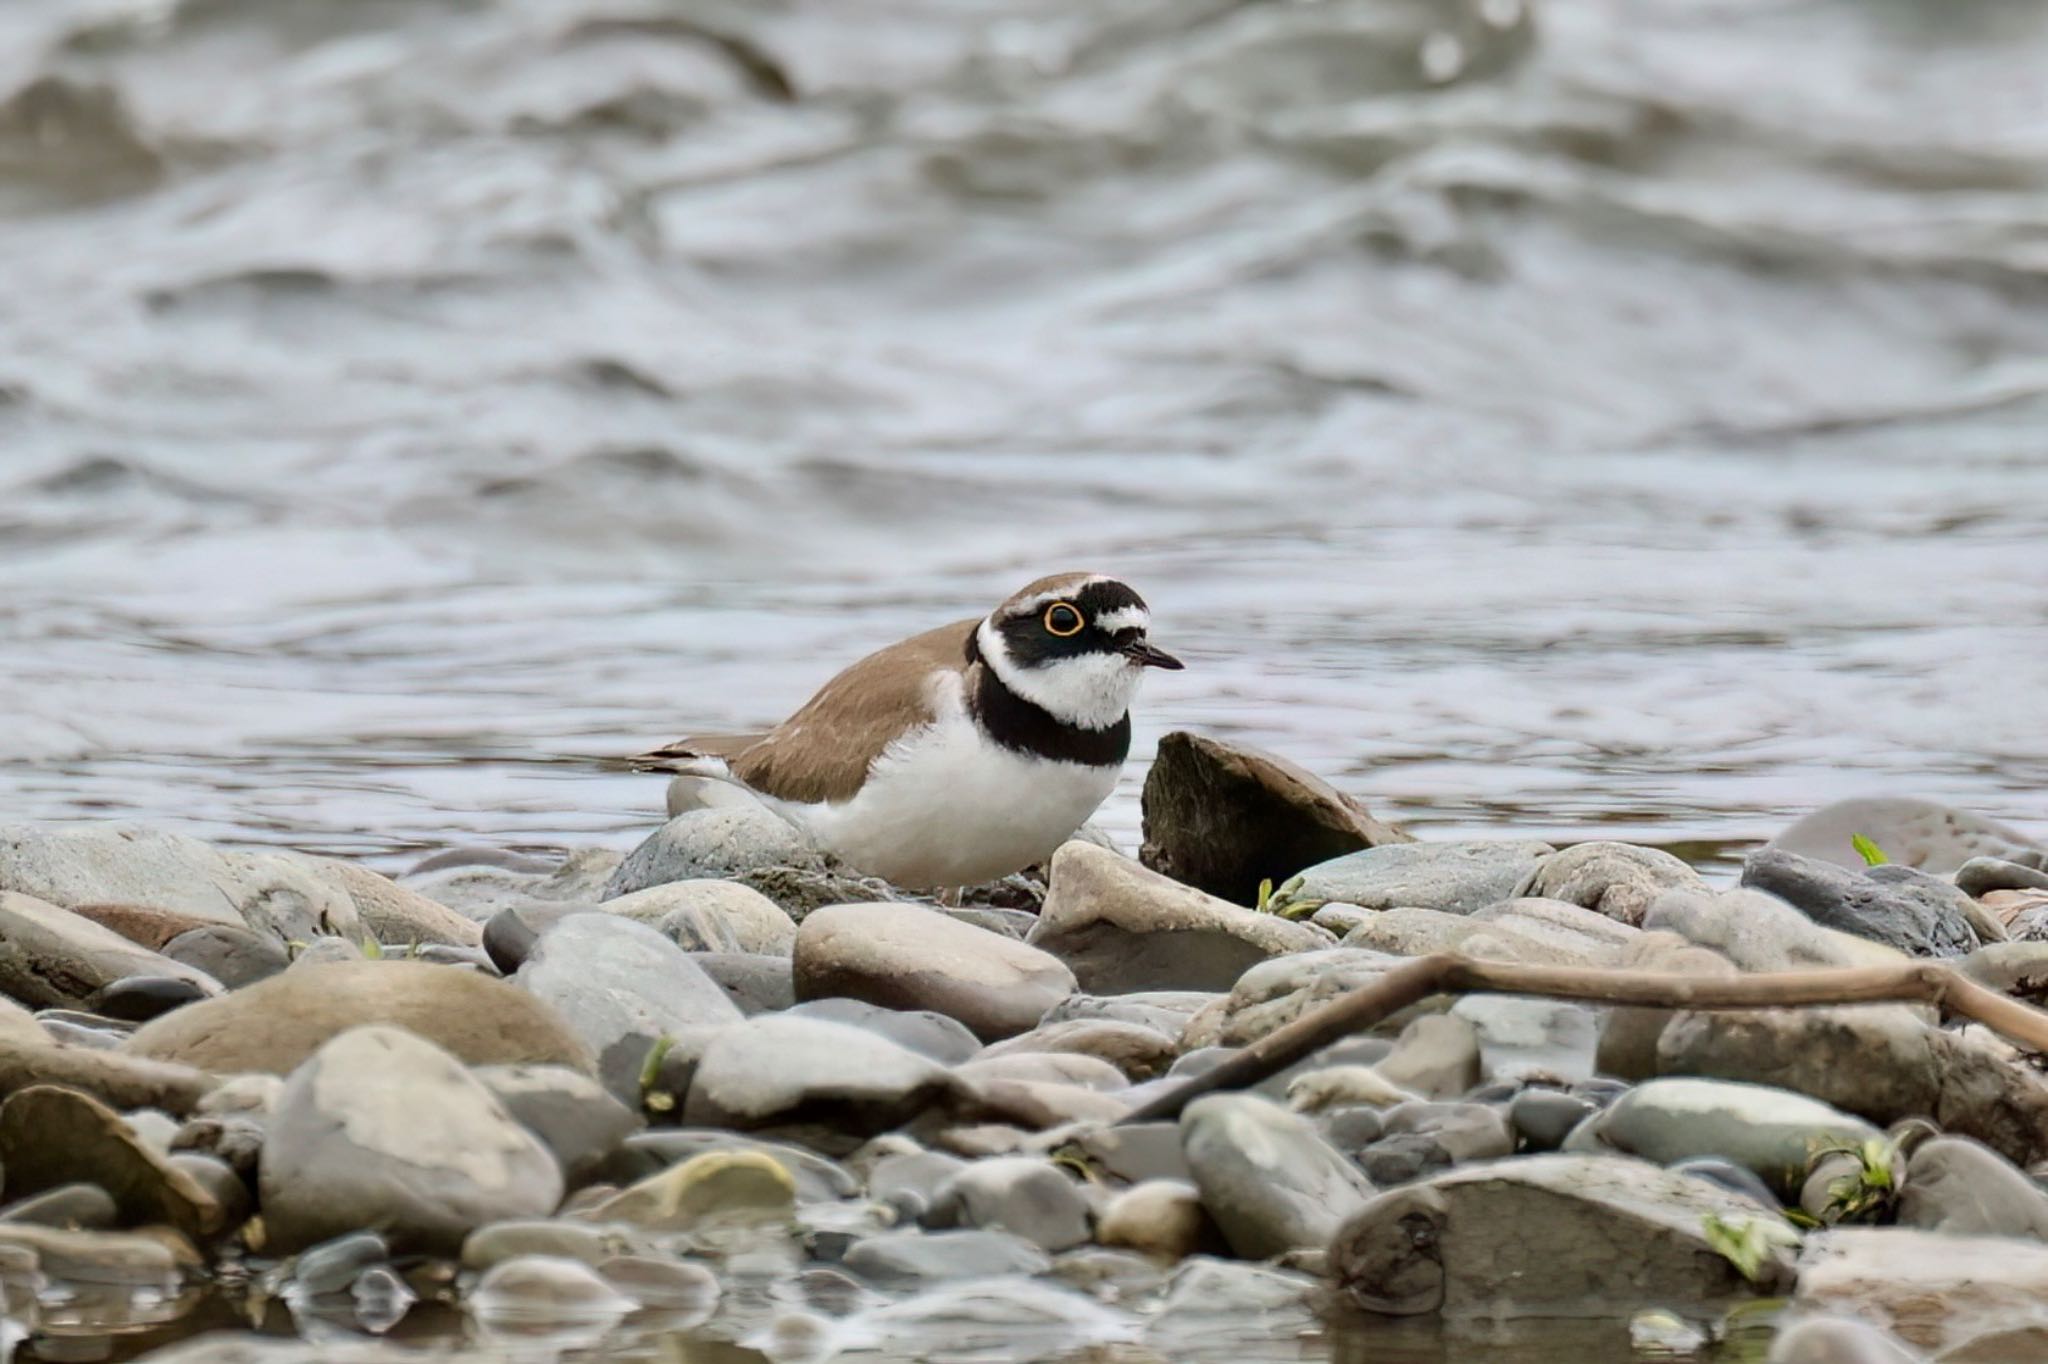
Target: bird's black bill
pixel 1141 652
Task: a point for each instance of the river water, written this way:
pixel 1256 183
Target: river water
pixel 1621 416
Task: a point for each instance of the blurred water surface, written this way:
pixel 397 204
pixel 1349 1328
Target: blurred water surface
pixel 1622 415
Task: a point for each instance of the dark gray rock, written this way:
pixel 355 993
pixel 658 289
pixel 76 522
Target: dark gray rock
pixel 621 986
pixel 1222 817
pixel 1456 878
pixel 137 999
pixel 1982 875
pixel 573 1115
pixel 511 934
pixel 348 1147
pixel 1267 1177
pixel 1022 1195
pixel 233 955
pixel 1124 929
pixel 929 1034
pixel 1543 1118
pixel 1920 915
pixel 904 956
pixel 755 984
pixel 1959 1186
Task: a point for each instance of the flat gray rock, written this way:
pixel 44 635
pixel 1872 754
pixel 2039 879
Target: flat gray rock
pixel 781 1072
pixel 1913 833
pixel 718 843
pixel 904 956
pixel 1456 878
pixel 381 1129
pixel 1546 1236
pixel 1918 914
pixel 1771 1132
pixel 621 986
pixel 1930 1288
pixel 1267 1178
pixel 909 1260
pixel 1124 929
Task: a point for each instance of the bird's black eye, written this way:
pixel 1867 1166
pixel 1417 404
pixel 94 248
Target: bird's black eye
pixel 1064 619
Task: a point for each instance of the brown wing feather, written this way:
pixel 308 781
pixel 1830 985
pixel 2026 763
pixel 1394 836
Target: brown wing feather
pixel 823 752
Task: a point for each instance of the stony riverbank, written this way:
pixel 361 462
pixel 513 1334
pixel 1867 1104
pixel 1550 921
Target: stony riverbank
pixel 718 1089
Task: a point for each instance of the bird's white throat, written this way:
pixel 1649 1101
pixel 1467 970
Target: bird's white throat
pixel 1089 691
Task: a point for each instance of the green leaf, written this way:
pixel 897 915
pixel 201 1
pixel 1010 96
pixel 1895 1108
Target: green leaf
pixel 373 950
pixel 650 1071
pixel 1265 904
pixel 1748 1242
pixel 1872 855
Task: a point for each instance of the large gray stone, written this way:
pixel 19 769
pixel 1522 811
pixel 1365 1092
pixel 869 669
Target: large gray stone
pixel 1616 880
pixel 52 958
pixel 1022 1195
pixel 1124 929
pixel 719 844
pixel 1928 1288
pixel 621 986
pixel 1772 1132
pixel 1454 877
pixel 1223 816
pixel 908 1260
pixel 1878 1060
pixel 1760 932
pixel 1961 1187
pixel 381 1129
pixel 1545 1236
pixel 275 1024
pixel 117 863
pixel 573 1115
pixel 1919 914
pixel 1914 833
pixel 910 957
pixel 776 1072
pixel 1267 1178
pixel 1628 1038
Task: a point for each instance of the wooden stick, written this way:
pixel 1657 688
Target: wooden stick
pixel 1447 973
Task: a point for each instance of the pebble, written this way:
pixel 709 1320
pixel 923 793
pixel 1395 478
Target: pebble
pixel 1730 1176
pixel 719 1188
pixel 1616 880
pixel 52 958
pixel 1223 816
pixel 558 1238
pixel 905 1261
pixel 1456 878
pixel 1269 1180
pixel 332 1265
pixel 538 1290
pixel 708 915
pixel 718 843
pixel 1918 914
pixel 1769 1131
pixel 382 1128
pixel 621 986
pixel 755 984
pixel 276 1024
pixel 1914 833
pixel 1981 875
pixel 1121 928
pixel 80 1207
pixel 51 1137
pixel 903 956
pixel 1135 1050
pixel 1543 1118
pixel 781 1071
pixel 815 1179
pixel 664 1285
pixel 577 1119
pixel 1959 1186
pixel 1543 1236
pixel 391 913
pixel 1022 1195
pixel 1161 1217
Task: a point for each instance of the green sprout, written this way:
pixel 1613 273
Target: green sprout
pixel 1748 1243
pixel 1872 855
pixel 1870 1191
pixel 656 1100
pixel 372 949
pixel 1280 899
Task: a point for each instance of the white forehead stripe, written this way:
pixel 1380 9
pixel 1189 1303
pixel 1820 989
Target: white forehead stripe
pixel 1124 618
pixel 1067 593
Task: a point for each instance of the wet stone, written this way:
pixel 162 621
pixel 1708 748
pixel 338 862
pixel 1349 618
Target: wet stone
pixel 815 1179
pixel 1728 1175
pixel 1271 1183
pixel 539 1290
pixel 573 1115
pixel 52 1137
pixel 909 1260
pixel 755 984
pixel 558 1238
pixel 1031 1198
pixel 1918 914
pixel 332 1265
pixel 721 1188
pixel 660 1284
pixel 1543 1118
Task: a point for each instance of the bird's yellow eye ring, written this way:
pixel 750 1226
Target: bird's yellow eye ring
pixel 1064 619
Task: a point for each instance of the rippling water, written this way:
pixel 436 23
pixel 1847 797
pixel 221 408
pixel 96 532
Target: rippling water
pixel 1621 415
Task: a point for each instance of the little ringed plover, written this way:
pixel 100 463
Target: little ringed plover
pixel 960 755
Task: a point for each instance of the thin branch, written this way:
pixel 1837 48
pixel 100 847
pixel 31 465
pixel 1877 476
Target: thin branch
pixel 1446 973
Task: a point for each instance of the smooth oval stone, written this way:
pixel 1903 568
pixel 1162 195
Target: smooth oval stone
pixel 331 1266
pixel 1019 1194
pixel 943 1039
pixel 901 1260
pixel 1543 1118
pixel 532 1290
pixel 137 999
pixel 85 1207
pixel 1267 1177
pixel 662 1285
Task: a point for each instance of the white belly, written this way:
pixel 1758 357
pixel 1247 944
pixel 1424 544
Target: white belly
pixel 949 808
